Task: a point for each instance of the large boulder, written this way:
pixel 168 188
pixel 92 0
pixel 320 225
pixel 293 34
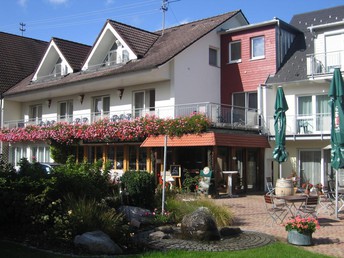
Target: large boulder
pixel 97 242
pixel 200 225
pixel 136 214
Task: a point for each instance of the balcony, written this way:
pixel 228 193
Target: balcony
pixel 304 126
pixel 221 116
pixel 324 63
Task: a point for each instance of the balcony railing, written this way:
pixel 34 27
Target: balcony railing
pixel 316 124
pixel 324 63
pixel 220 115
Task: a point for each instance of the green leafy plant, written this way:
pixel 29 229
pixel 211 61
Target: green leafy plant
pixel 302 225
pixel 179 207
pixel 190 183
pixel 138 188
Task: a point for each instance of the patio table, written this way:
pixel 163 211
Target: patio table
pixel 293 202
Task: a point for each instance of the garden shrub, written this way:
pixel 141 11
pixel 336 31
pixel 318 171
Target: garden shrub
pixel 139 187
pixel 179 208
pixel 88 214
pixel 34 204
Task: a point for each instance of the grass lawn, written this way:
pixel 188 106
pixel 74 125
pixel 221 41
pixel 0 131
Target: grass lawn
pixel 278 249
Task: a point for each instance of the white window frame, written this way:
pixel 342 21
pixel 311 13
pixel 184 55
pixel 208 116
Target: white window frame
pixel 101 113
pixel 313 121
pixel 68 116
pixel 146 107
pixel 230 52
pixel 253 44
pixel 37 117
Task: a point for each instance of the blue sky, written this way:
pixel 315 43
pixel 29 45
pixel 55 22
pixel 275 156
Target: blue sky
pixel 82 20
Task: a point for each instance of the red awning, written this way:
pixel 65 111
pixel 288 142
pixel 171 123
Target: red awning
pixel 209 139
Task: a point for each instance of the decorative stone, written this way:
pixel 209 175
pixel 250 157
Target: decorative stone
pixel 297 238
pixel 200 225
pixel 158 235
pixel 97 242
pixel 141 215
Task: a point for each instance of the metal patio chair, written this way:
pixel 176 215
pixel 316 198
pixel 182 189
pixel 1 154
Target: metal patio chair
pixel 269 186
pixel 309 208
pixel 276 211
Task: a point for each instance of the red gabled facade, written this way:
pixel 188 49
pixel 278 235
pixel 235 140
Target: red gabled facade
pixel 246 75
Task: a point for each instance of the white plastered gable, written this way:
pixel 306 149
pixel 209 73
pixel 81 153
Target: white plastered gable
pixel 48 68
pixel 101 48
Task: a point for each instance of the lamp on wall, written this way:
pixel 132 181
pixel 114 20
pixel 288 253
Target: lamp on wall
pixel 81 98
pixel 120 93
pixel 48 102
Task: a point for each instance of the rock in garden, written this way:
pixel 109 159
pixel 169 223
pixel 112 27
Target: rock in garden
pixel 97 242
pixel 200 225
pixel 158 235
pixel 136 213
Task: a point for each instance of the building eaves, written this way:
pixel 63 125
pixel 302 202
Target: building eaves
pixel 275 21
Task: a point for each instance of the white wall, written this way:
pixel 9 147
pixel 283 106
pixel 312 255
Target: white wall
pixel 194 79
pixel 12 110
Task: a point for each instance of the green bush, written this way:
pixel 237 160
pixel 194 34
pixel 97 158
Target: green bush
pixel 82 179
pixel 139 188
pixel 35 204
pixel 88 214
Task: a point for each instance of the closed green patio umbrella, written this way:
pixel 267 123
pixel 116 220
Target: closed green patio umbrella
pixel 336 94
pixel 279 153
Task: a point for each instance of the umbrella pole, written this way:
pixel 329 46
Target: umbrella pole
pixel 336 213
pixel 280 170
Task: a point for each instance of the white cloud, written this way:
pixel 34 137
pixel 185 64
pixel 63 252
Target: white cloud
pixel 58 1
pixel 22 3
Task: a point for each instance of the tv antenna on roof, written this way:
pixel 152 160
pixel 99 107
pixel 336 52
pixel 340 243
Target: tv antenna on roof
pixel 164 8
pixel 22 25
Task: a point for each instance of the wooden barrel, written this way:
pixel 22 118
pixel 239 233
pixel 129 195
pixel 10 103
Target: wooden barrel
pixel 284 187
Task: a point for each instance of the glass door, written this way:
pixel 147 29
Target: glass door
pixel 139 103
pixel 310 166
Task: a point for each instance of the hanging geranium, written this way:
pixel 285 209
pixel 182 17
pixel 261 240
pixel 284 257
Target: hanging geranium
pixel 106 130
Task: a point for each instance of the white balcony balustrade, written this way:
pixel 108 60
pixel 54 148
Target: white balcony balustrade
pixel 220 115
pixel 317 124
pixel 324 63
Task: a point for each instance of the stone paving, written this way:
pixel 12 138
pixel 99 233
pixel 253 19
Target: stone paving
pixel 250 215
pixel 245 240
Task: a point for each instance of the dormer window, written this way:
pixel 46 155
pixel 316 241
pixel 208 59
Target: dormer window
pixel 57 71
pixel 111 56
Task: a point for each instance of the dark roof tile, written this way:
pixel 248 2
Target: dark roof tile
pixel 74 52
pixel 295 68
pixel 19 58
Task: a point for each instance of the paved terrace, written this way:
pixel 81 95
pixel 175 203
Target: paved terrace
pixel 250 215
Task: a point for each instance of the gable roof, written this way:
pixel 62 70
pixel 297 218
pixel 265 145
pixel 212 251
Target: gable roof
pixel 19 58
pixel 165 47
pixel 295 68
pixel 138 40
pixel 74 52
